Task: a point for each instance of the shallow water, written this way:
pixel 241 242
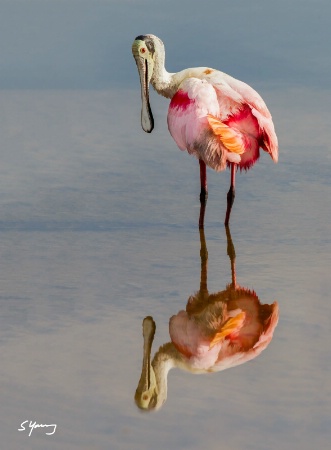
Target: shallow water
pixel 99 228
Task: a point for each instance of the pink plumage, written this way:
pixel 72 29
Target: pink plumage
pixel 193 331
pixel 213 116
pixel 241 109
pixel 216 331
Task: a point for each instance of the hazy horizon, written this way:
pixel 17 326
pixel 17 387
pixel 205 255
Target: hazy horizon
pixel 69 44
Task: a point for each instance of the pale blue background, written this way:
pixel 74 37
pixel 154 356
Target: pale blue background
pixel 85 44
pixel 98 225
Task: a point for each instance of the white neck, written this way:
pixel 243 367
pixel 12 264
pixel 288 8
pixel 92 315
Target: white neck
pixel 164 360
pixel 166 83
pixel 161 79
pixel 163 82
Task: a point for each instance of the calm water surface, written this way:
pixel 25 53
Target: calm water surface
pixel 98 229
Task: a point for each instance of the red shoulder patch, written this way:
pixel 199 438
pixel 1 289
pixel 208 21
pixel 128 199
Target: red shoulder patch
pixel 180 100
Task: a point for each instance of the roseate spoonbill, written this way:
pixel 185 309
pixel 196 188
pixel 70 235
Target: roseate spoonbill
pixel 215 332
pixel 218 119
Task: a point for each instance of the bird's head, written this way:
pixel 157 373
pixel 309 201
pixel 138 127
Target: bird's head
pixel 143 50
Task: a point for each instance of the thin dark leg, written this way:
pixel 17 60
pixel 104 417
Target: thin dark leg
pixel 231 194
pixel 203 193
pixel 203 182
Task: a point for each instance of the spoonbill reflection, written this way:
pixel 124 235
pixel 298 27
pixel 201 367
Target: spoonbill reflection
pixel 215 117
pixel 215 332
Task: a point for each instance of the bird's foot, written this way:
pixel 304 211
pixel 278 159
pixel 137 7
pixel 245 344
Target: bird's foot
pixel 230 196
pixel 203 197
pixel 203 203
pixel 230 199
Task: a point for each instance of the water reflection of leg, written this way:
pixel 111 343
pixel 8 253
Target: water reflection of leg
pixel 232 255
pixel 204 261
pixel 202 215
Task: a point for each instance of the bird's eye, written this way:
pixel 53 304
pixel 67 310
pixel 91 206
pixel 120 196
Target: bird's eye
pixel 142 50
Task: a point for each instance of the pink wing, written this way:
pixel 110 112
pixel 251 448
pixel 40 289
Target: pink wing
pixel 232 355
pixel 252 332
pixel 235 96
pixel 220 119
pixel 189 340
pixel 188 123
